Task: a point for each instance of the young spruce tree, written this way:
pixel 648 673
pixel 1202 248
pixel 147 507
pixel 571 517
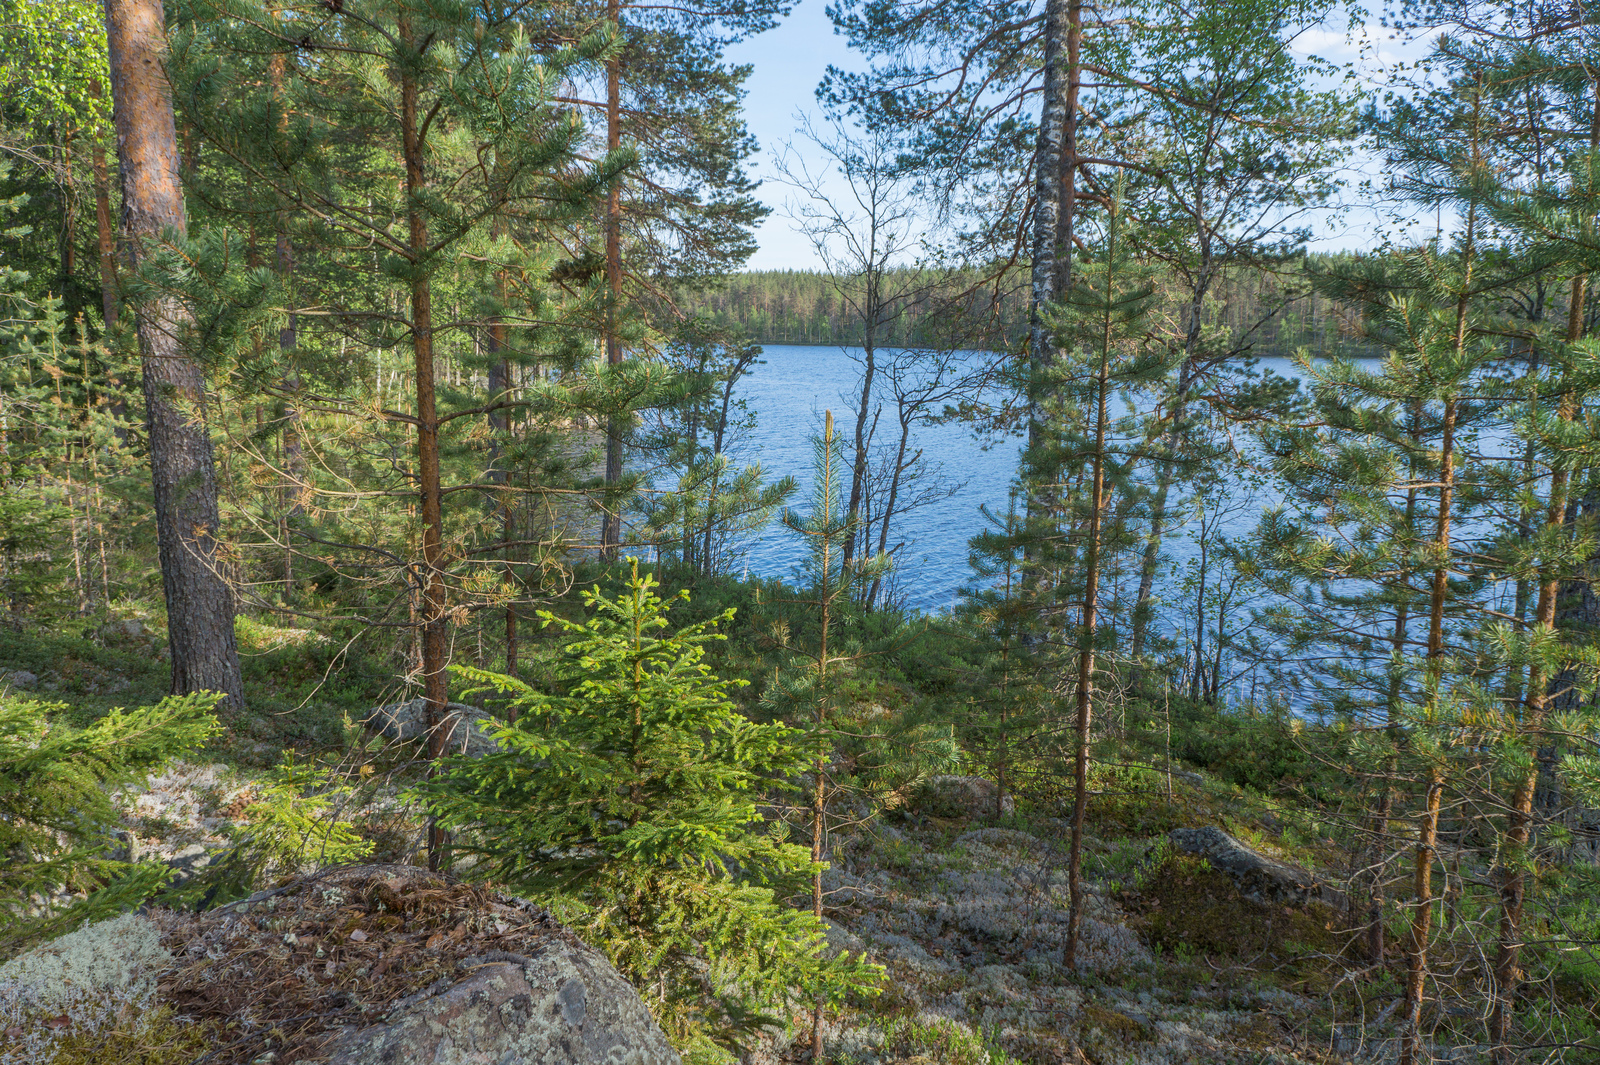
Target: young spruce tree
pixel 627 798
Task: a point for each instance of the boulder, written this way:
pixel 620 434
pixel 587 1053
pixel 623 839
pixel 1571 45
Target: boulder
pixel 959 797
pixel 19 678
pixel 190 862
pixel 560 1005
pixel 409 721
pixel 1258 877
pixel 391 965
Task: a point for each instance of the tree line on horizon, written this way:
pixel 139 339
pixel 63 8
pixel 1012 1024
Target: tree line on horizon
pixel 1277 313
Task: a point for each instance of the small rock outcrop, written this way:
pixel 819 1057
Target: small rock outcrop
pixel 1258 877
pixel 557 1005
pixel 960 797
pixel 390 965
pixel 409 721
pixel 365 965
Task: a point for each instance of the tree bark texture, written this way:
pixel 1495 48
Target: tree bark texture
pixel 611 523
pixel 432 615
pixel 1047 281
pixel 200 602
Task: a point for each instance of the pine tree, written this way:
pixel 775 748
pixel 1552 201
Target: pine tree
pixel 200 603
pixel 712 504
pixel 444 116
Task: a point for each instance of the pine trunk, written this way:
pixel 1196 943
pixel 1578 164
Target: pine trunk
pixel 432 614
pixel 1091 607
pixel 611 523
pixel 1051 263
pixel 200 604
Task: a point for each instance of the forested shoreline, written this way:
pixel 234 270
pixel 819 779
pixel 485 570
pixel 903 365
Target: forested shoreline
pixel 374 504
pixel 1274 314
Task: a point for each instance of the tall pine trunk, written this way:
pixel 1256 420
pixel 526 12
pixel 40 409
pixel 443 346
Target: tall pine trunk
pixel 500 425
pixel 1378 868
pixel 611 523
pixel 1512 873
pixel 819 794
pixel 200 603
pixel 1428 825
pixel 1091 607
pixel 105 237
pixel 288 340
pixel 432 617
pixel 1055 169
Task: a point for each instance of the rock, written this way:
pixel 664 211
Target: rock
pixel 192 861
pixel 564 1005
pixel 957 796
pixel 409 721
pixel 501 982
pixel 19 678
pixel 1258 877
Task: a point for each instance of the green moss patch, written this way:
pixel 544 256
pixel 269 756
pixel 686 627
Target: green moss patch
pixel 1184 907
pixel 1098 1024
pixel 155 1038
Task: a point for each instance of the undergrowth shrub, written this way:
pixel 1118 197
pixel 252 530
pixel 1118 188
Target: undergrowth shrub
pixel 57 817
pixel 1184 907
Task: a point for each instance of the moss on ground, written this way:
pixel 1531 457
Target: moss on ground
pixel 1097 1023
pixel 155 1038
pixel 1185 908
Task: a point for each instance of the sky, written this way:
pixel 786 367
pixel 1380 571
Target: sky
pixel 790 60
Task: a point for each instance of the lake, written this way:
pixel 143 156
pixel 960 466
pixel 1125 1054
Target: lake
pixel 789 395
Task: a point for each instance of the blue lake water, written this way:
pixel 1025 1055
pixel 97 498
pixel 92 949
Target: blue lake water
pixel 789 395
pixel 797 384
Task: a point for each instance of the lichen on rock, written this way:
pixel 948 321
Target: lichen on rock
pixel 84 982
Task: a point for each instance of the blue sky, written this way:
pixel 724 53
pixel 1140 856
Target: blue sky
pixel 789 61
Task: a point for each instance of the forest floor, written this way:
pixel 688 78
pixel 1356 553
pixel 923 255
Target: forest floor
pixel 969 916
pixel 968 913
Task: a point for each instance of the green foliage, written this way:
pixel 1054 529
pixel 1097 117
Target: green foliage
pixel 295 820
pixel 933 1038
pixel 53 61
pixel 1272 752
pixel 627 798
pixel 714 504
pixel 57 814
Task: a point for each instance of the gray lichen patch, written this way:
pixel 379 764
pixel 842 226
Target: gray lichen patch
pixel 84 982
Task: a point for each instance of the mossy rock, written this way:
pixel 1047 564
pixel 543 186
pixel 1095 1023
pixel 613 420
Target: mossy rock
pixel 1098 1023
pixel 1259 1033
pixel 1186 907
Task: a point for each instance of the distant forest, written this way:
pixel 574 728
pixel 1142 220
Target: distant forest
pixel 1256 312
